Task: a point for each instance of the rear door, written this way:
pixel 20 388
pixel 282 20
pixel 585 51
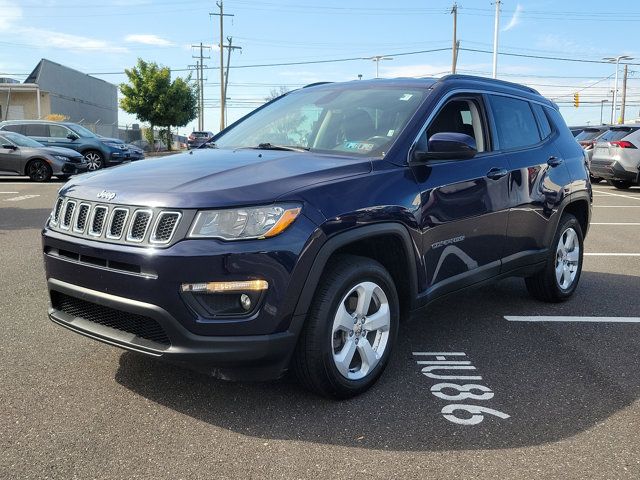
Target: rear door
pixel 536 179
pixel 464 203
pixel 37 131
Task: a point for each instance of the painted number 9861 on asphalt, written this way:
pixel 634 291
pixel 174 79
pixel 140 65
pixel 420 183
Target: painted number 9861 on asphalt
pixel 447 367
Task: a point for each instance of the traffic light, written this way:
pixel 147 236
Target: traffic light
pixel 576 100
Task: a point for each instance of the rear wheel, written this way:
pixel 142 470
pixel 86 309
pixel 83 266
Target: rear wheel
pixel 39 170
pixel 351 328
pixel 559 278
pixel 95 160
pixel 620 184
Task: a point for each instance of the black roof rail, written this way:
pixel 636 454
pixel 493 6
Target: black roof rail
pixel 316 84
pixel 489 80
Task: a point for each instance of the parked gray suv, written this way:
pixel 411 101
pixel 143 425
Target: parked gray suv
pixel 99 151
pixel 20 155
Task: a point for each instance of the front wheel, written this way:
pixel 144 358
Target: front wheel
pixel 39 170
pixel 351 328
pixel 559 278
pixel 620 184
pixel 95 161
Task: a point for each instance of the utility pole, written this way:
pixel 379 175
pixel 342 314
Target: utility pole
pixel 616 60
pixel 454 57
pixel 496 29
pixel 623 104
pixel 220 6
pixel 602 102
pixel 229 48
pixel 200 78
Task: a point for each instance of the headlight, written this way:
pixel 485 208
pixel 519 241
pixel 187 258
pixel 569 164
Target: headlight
pixel 244 223
pixel 119 146
pixel 61 158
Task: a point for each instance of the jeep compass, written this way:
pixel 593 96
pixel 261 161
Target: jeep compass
pixel 306 230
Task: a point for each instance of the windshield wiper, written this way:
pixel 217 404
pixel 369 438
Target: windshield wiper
pixel 288 148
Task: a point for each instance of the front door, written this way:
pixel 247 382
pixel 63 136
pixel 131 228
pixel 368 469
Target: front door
pixel 464 203
pixel 9 158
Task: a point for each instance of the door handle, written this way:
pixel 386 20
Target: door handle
pixel 496 173
pixel 554 161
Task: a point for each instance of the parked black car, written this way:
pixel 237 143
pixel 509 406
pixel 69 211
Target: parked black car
pixel 196 139
pixel 320 220
pixel 20 155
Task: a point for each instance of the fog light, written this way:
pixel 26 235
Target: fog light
pixel 226 287
pixel 245 301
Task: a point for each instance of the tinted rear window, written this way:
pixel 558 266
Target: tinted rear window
pixel 616 134
pixel 543 121
pixel 515 122
pixel 589 134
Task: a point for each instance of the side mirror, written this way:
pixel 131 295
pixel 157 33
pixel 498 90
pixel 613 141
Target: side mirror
pixel 9 146
pixel 72 136
pixel 447 146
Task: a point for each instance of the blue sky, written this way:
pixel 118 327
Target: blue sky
pixel 110 35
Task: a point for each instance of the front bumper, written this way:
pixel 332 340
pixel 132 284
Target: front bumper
pixel 229 357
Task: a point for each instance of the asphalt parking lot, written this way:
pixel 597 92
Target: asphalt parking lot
pixel 560 399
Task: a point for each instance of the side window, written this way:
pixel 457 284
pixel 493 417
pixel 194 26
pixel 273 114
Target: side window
pixel 58 131
pixel 460 116
pixel 543 121
pixel 36 130
pixel 515 123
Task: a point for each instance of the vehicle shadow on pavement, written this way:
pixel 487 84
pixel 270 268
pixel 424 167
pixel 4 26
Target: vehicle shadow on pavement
pixel 13 218
pixel 553 380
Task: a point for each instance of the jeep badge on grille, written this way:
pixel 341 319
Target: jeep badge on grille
pixel 106 195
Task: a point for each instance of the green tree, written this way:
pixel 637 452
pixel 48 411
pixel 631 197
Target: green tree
pixel 152 97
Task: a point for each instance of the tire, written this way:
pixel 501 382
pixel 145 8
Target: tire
pixel 326 335
pixel 558 280
pixel 95 160
pixel 64 178
pixel 620 184
pixel 38 170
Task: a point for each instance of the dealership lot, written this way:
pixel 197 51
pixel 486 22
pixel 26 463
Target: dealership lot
pixel 563 393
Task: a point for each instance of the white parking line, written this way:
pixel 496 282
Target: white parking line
pixel 612 254
pixel 616 206
pixel 20 198
pixel 511 318
pixel 9 192
pixel 614 223
pixel 618 195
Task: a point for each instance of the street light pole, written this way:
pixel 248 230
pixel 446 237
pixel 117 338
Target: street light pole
pixel 615 89
pixel 377 59
pixel 602 102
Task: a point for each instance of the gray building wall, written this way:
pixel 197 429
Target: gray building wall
pixel 79 96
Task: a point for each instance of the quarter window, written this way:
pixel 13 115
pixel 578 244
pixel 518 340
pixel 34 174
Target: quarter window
pixel 515 124
pixel 543 121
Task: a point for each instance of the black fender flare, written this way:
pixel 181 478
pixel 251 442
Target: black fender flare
pixel 353 235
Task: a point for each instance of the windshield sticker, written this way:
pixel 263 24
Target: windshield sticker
pixel 363 147
pixel 405 97
pixel 390 133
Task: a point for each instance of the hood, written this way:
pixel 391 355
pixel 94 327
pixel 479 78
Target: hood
pixel 67 152
pixel 110 140
pixel 214 178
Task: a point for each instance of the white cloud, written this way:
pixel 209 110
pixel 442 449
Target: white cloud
pixel 66 41
pixel 10 13
pixel 515 19
pixel 148 39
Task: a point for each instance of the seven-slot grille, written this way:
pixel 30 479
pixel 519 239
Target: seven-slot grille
pixel 117 223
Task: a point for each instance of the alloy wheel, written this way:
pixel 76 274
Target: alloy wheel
pixel 94 161
pixel 567 258
pixel 360 332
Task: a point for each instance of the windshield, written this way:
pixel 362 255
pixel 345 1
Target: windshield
pixel 80 130
pixel 352 121
pixel 21 140
pixel 588 134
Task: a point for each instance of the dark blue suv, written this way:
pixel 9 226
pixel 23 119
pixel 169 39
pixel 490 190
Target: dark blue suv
pixel 308 228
